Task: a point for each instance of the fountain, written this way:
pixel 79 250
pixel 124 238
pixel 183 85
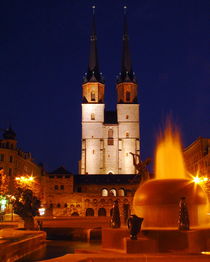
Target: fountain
pixel 160 203
pixel 157 200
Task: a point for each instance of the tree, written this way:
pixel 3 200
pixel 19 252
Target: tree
pixel 4 183
pixel 26 205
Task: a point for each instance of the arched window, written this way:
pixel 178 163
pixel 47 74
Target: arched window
pixel 121 192
pixel 58 205
pixel 113 192
pixel 127 134
pixel 92 116
pixel 104 192
pixel 110 137
pixel 93 96
pixel 65 205
pixel 102 212
pixel 128 96
pixel 89 212
pixel 75 214
pixel 110 173
pixel 56 187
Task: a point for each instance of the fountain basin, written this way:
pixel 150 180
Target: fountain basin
pixel 157 201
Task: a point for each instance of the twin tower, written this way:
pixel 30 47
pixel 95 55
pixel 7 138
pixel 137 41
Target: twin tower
pixel 108 137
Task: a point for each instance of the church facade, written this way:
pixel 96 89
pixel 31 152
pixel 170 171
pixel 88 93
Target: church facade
pixel 108 137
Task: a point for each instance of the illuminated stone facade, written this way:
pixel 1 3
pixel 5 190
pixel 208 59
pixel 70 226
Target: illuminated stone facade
pixel 16 163
pixel 197 160
pixel 66 194
pixel 197 157
pixel 108 137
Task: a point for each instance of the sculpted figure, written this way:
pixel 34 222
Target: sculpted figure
pixel 141 166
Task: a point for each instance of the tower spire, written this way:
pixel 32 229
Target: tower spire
pixel 93 73
pixel 126 74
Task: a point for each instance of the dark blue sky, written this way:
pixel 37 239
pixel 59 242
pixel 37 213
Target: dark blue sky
pixel 44 50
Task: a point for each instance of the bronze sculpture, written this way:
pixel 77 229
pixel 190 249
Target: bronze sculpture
pixel 134 225
pixel 141 166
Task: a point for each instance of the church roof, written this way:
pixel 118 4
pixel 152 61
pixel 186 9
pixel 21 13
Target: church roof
pixel 110 117
pixel 93 73
pixel 107 179
pixel 61 170
pixel 126 74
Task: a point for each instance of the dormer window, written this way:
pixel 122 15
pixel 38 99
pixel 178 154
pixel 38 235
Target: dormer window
pixel 93 96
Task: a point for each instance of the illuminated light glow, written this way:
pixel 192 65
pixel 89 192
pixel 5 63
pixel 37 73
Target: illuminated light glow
pixel 199 179
pixel 42 211
pixel 205 252
pixel 169 161
pixel 25 179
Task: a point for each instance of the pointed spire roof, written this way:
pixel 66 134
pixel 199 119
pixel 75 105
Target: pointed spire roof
pixel 126 74
pixel 9 133
pixel 93 74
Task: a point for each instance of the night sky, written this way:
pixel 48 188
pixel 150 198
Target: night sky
pixel 44 51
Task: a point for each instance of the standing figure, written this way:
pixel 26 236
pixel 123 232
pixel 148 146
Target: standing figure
pixel 183 222
pixel 141 166
pixel 115 220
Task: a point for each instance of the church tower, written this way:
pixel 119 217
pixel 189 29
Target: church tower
pixel 127 108
pixel 108 137
pixel 92 111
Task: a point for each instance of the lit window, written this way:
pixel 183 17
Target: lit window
pixel 93 96
pixel 110 137
pixel 92 116
pixel 104 192
pixel 113 192
pixel 121 192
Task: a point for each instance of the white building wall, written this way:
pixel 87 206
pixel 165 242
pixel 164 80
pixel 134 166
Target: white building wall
pixel 92 134
pixel 111 160
pixel 128 119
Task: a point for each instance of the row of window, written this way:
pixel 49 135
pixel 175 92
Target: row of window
pixel 92 116
pixel 66 176
pixel 2 158
pixel 6 145
pixel 113 192
pixel 127 96
pixel 61 187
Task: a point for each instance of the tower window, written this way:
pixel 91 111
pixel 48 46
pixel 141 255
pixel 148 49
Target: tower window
pixel 110 137
pixel 93 96
pixel 128 96
pixel 127 134
pixel 127 116
pixel 92 116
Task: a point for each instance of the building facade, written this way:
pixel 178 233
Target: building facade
pixel 108 137
pixel 16 163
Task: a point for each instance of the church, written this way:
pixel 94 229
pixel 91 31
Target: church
pixel 108 137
